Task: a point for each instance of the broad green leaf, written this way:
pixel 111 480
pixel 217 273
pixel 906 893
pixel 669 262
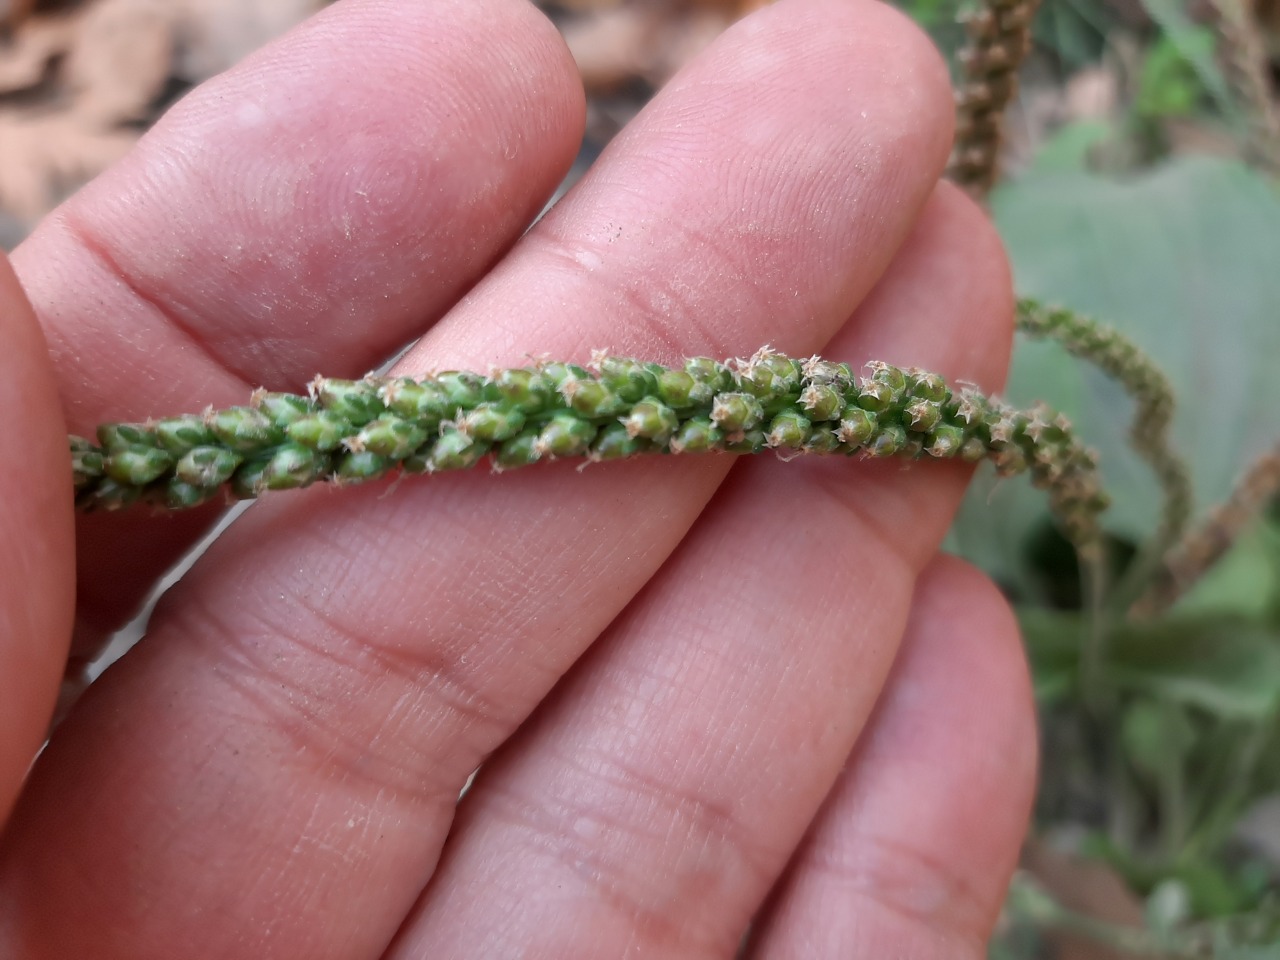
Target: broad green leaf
pixel 1229 668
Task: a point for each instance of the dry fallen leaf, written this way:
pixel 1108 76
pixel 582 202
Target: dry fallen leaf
pixel 119 59
pixel 11 11
pixel 46 157
pixel 615 42
pixel 89 77
pixel 1088 887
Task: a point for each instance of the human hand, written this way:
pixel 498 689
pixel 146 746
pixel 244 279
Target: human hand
pixel 705 699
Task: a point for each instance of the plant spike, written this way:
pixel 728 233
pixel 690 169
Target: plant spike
pixel 1122 359
pixel 1205 545
pixel 354 431
pixel 999 40
pixel 1242 51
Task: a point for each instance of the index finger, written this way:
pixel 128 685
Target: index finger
pixel 309 211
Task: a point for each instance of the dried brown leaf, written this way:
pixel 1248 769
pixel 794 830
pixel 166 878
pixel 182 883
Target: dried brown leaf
pixel 25 60
pixel 119 59
pixel 46 156
pixel 1087 887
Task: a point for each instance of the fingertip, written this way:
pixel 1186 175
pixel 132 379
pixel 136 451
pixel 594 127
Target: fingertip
pixel 913 851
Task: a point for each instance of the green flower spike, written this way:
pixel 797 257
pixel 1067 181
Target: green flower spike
pixel 356 431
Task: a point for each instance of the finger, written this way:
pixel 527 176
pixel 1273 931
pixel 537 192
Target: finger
pixel 315 693
pixel 912 853
pixel 36 540
pixel 311 210
pixel 664 790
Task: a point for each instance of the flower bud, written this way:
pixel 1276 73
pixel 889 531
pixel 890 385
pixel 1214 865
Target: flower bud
pixel 973 450
pixel 462 390
pixel 945 441
pixel 491 422
pixel 565 435
pixel 87 462
pixel 1009 460
pixel 628 379
pixel 180 434
pixel 823 439
pixel 557 374
pixel 614 442
pixel 788 429
pixel 762 383
pixel 323 430
pixel 651 419
pixel 875 396
pixel 356 401
pixel 591 398
pixel 929 386
pixel 411 400
pixel 527 389
pixel 180 495
pixel 520 451
pixel 817 370
pixel 245 429
pixel 246 483
pixel 281 408
pixel 891 439
pixel 123 436
pixel 857 426
pixel 921 415
pixel 454 451
pixel 821 401
pixel 745 441
pixel 360 466
pixel 136 465
pixel 734 412
pixel 696 435
pixel 291 466
pixel 711 372
pixel 207 467
pixel 390 436
pixel 678 390
pixel 892 377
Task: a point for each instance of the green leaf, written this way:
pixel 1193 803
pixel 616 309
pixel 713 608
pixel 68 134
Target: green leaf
pixel 1168 85
pixel 1188 40
pixel 1157 737
pixel 1183 261
pixel 1229 668
pixel 1068 150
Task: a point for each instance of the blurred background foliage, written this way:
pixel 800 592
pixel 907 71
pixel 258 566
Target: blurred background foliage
pixel 1140 189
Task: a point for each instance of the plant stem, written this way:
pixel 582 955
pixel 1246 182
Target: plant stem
pixel 1205 545
pixel 999 39
pixel 1244 58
